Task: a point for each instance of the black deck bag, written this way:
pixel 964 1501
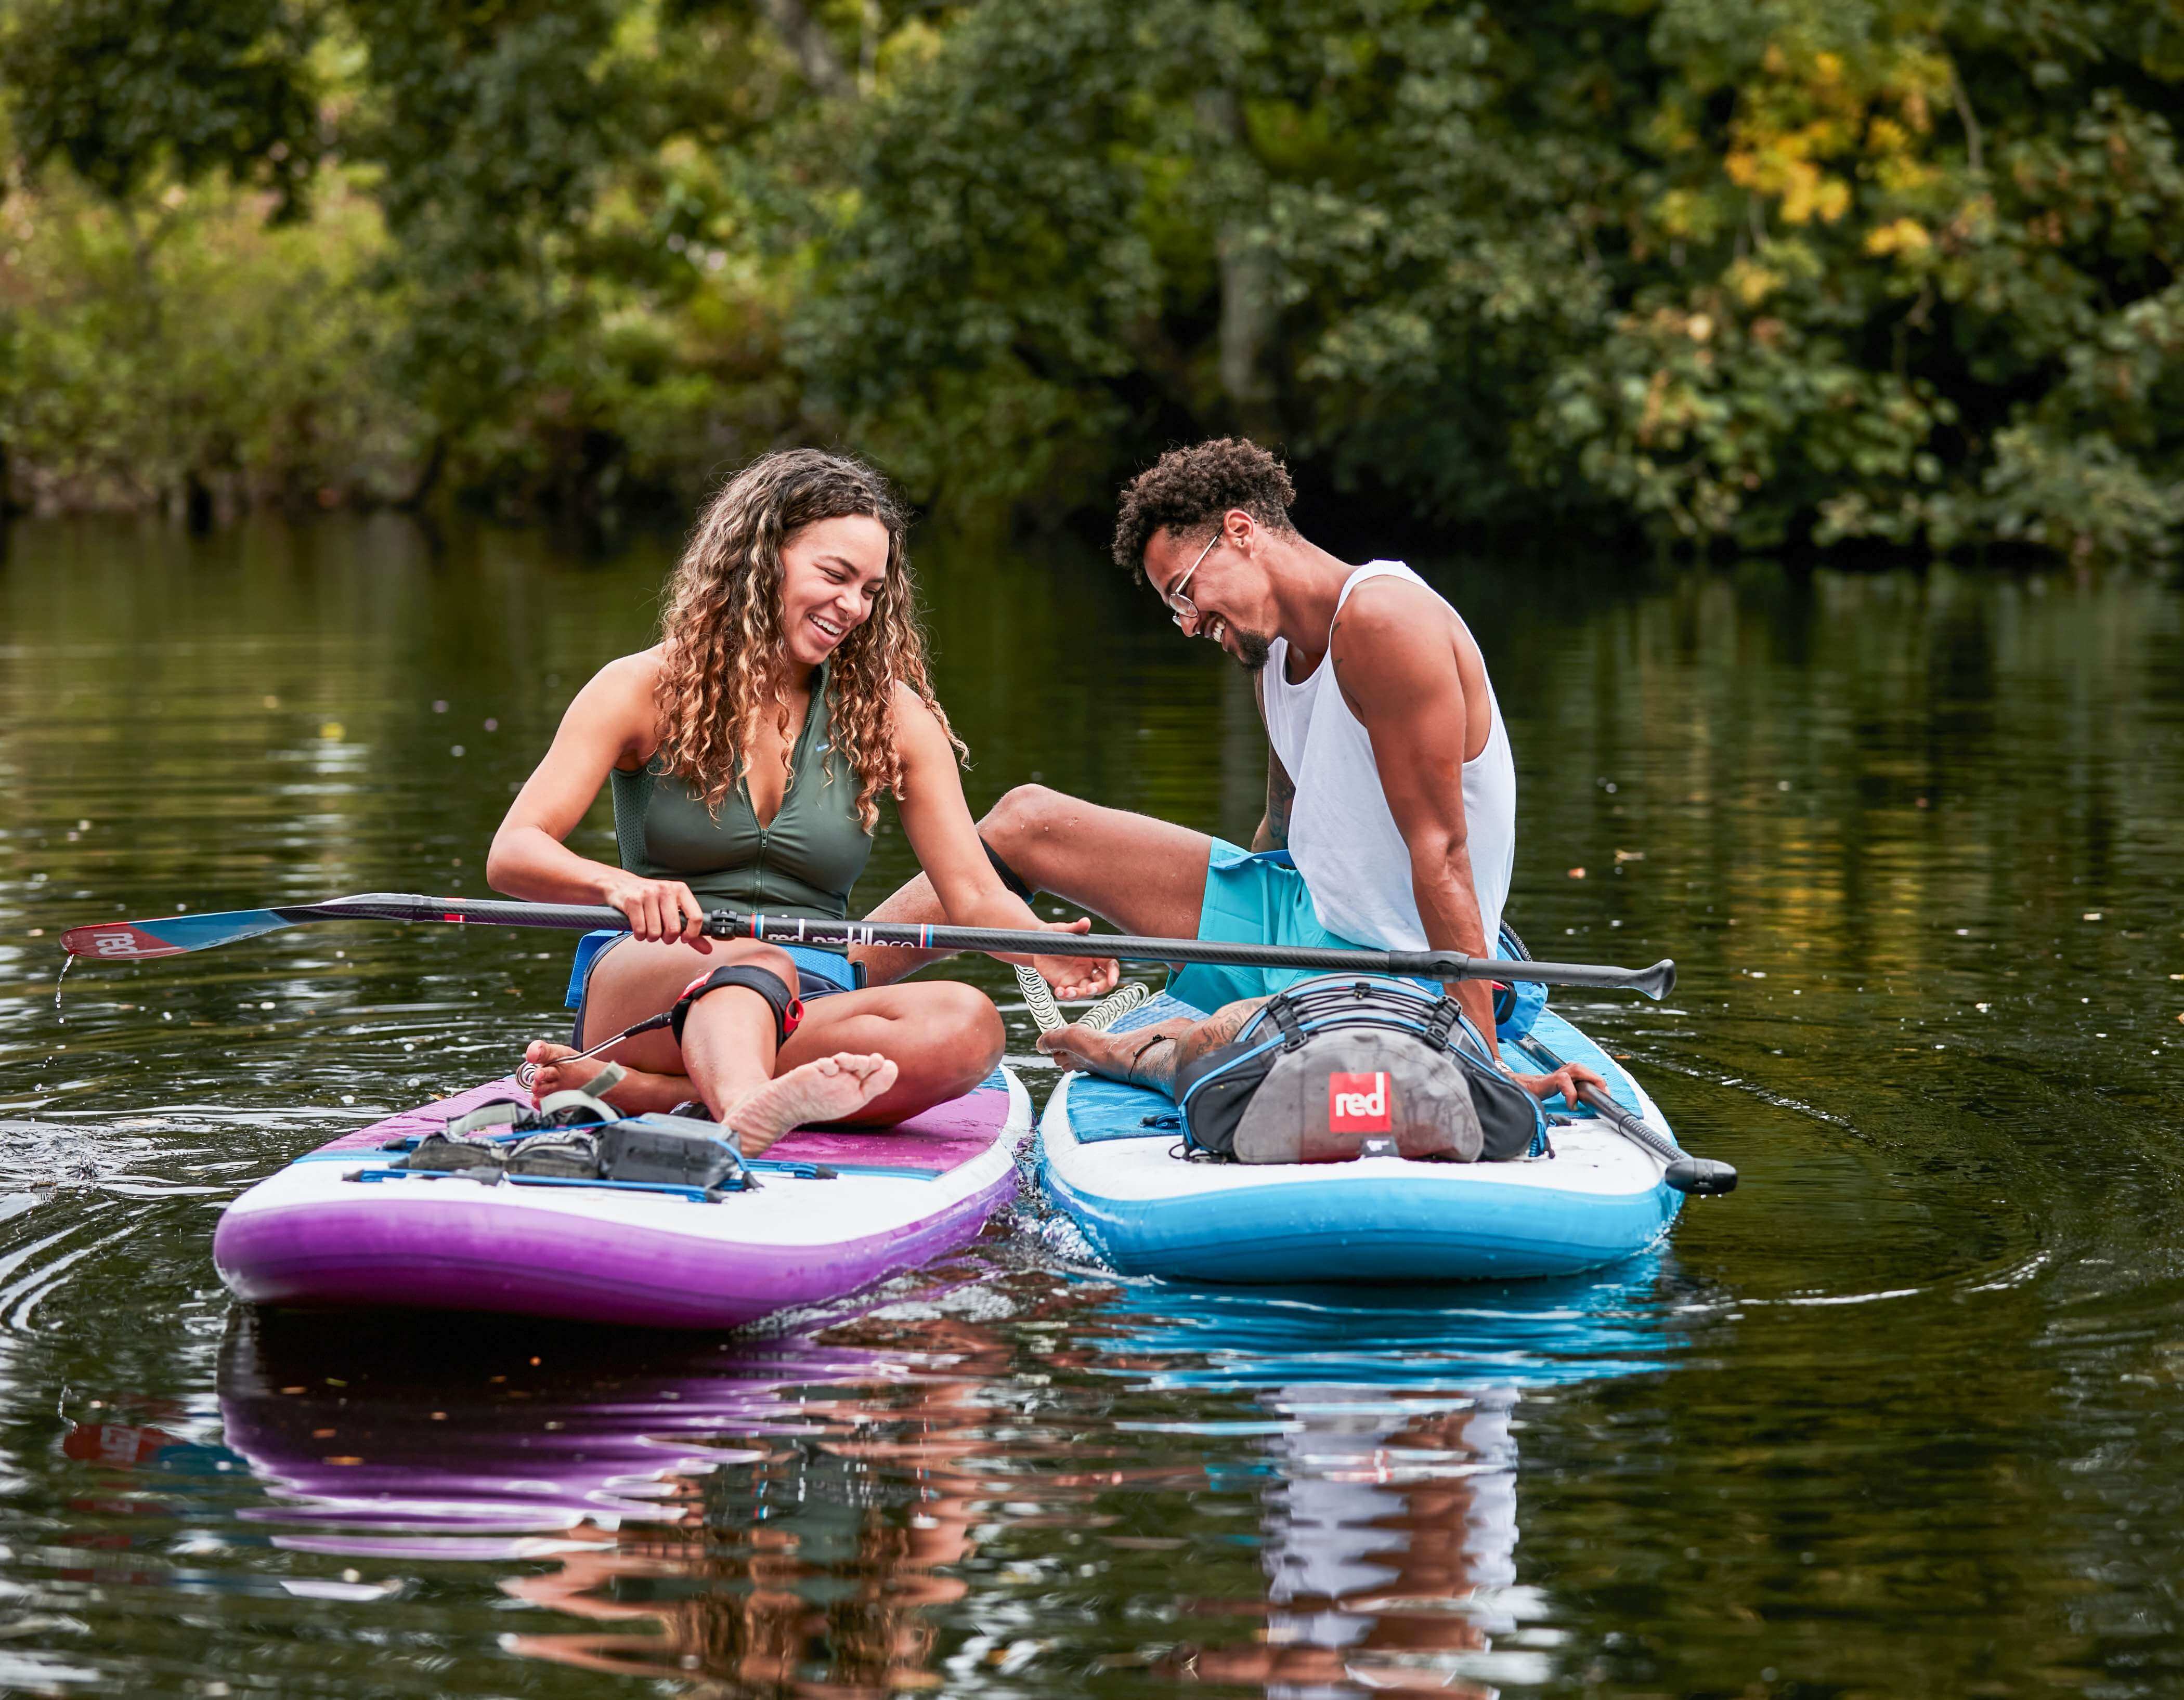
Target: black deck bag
pixel 1331 1069
pixel 669 1150
pixel 443 1153
pixel 558 1154
pixel 451 1150
pixel 544 1139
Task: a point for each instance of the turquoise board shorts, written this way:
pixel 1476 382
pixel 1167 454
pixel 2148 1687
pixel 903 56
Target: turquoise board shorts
pixel 1252 899
pixel 1261 899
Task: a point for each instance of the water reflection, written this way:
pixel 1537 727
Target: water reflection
pixel 399 1437
pixel 1390 1549
pixel 862 1506
pixel 775 1516
pixel 1632 1317
pixel 1387 1488
pixel 812 1568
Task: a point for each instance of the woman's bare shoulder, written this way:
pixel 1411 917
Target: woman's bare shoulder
pixel 911 716
pixel 903 698
pixel 626 679
pixel 620 698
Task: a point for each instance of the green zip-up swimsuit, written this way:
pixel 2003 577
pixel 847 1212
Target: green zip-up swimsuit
pixel 803 864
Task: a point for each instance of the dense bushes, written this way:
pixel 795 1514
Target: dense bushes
pixel 1761 274
pixel 190 351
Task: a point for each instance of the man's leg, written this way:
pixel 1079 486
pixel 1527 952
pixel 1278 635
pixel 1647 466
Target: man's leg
pixel 1136 873
pixel 1152 1056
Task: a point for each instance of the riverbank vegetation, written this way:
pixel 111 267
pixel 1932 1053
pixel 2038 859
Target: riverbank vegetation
pixel 1901 274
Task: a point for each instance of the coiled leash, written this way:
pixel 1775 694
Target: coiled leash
pixel 1102 1015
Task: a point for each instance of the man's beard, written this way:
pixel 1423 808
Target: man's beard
pixel 1251 650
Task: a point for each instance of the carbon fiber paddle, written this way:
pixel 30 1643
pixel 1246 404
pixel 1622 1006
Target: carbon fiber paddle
pixel 176 935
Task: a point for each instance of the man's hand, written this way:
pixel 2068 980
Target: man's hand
pixel 1569 1081
pixel 1073 977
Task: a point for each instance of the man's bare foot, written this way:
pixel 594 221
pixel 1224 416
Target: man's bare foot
pixel 635 1093
pixel 826 1090
pixel 1078 1047
pixel 1146 1057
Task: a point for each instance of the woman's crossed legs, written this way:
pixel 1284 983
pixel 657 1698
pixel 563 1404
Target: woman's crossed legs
pixel 871 1057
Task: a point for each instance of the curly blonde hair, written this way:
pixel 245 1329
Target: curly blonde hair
pixel 720 631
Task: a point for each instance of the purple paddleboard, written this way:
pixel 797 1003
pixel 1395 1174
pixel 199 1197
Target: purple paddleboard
pixel 309 1235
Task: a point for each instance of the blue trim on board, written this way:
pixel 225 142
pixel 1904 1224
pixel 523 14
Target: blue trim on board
pixel 1395 1229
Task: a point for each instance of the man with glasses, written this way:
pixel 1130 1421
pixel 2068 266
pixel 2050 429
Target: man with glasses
pixel 1391 797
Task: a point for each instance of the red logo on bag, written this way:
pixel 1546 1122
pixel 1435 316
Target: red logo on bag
pixel 1359 1104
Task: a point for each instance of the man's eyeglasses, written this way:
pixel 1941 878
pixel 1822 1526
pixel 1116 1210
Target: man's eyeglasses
pixel 1181 606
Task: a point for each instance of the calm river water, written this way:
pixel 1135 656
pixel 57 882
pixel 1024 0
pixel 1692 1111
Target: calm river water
pixel 1903 1416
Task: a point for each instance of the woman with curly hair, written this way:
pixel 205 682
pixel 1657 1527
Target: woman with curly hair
pixel 747 750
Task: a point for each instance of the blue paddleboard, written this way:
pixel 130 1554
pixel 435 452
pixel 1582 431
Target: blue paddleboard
pixel 1111 1156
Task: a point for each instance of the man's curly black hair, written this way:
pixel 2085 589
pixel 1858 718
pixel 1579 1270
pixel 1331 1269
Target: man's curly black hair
pixel 1189 489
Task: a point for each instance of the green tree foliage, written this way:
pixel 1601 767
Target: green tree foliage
pixel 231 362
pixel 493 124
pixel 1861 273
pixel 1805 269
pixel 128 90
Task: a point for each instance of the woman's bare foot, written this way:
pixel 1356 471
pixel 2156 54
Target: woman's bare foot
pixel 826 1090
pixel 635 1093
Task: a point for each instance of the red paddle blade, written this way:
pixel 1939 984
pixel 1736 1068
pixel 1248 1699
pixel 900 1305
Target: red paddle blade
pixel 117 940
pixel 141 940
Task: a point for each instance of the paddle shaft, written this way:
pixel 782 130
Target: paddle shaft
pixel 128 940
pixel 1633 1128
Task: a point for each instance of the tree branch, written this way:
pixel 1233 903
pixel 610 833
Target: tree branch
pixel 807 43
pixel 1970 123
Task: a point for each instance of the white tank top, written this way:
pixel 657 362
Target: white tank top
pixel 1342 837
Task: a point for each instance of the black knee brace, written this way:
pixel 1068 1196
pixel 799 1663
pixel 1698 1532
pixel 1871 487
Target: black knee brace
pixel 1010 877
pixel 787 1007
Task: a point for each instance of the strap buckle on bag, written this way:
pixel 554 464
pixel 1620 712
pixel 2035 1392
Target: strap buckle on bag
pixel 1284 1017
pixel 1442 1022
